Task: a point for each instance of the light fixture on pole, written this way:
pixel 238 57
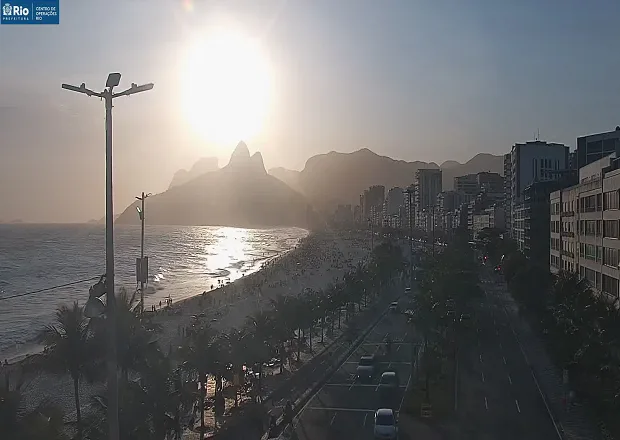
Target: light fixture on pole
pixel 142 272
pixel 110 309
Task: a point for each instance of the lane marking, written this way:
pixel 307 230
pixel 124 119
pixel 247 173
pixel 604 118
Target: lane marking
pixel 321 408
pixel 486 404
pixel 365 416
pixel 500 346
pixel 405 393
pixel 482 376
pixel 332 422
pixel 510 379
pixel 517 403
pixel 398 348
pixel 504 359
pixel 360 385
pixel 381 320
pixel 480 357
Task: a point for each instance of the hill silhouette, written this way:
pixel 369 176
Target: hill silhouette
pixel 241 194
pixel 204 165
pixel 339 178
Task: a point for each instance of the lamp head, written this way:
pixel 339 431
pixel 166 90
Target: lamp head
pixel 114 79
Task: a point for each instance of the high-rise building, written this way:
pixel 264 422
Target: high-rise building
pixel 585 227
pixel 508 191
pixel 596 146
pixel 427 186
pixel 394 200
pixel 535 161
pixel 371 197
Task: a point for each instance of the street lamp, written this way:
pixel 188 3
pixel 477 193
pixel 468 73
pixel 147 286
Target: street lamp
pixel 108 95
pixel 142 273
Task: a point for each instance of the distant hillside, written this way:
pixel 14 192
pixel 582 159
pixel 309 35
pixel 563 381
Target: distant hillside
pixel 334 178
pixel 240 194
pixel 204 165
pixel 290 177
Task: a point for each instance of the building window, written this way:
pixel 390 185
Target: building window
pixel 590 227
pixel 610 257
pixel 610 228
pixel 610 200
pixel 610 285
pixel 590 252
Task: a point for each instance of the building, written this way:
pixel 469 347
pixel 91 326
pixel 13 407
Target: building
pixel 371 197
pixel 467 184
pixel 492 217
pixel 596 146
pixel 491 183
pixel 532 231
pixel 343 215
pixel 394 200
pixel 409 209
pixel 427 186
pixel 535 161
pixel 585 226
pixel 508 191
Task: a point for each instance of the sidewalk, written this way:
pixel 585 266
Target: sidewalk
pixel 573 423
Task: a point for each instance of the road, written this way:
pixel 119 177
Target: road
pixel 343 408
pixel 497 394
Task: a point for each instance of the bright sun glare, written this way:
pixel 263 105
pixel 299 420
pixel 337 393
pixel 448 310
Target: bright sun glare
pixel 226 82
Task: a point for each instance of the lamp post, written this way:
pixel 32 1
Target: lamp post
pixel 140 210
pixel 108 95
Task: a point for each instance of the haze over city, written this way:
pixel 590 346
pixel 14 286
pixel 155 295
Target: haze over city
pixel 414 81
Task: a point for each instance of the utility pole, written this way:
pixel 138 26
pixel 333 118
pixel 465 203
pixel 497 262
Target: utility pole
pixel 142 198
pixel 107 95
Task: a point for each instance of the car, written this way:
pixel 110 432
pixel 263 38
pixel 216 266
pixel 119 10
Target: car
pixel 407 289
pixel 385 424
pixel 388 382
pixel 365 368
pixel 465 317
pixel 394 307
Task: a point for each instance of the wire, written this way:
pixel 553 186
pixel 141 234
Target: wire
pixel 51 288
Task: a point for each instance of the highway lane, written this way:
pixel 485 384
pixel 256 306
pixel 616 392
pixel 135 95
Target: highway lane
pixel 344 408
pixel 498 397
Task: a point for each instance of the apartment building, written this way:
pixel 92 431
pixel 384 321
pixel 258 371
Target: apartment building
pixel 535 161
pixel 585 226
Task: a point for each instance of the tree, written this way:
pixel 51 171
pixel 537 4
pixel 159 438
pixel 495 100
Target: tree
pixel 197 358
pixel 71 349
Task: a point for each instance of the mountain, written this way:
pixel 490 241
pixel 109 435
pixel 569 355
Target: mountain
pixel 290 177
pixel 339 178
pixel 240 194
pixel 204 165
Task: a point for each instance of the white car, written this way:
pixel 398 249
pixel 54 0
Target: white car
pixel 385 424
pixel 407 289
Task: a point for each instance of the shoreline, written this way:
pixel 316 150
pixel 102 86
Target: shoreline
pixel 32 348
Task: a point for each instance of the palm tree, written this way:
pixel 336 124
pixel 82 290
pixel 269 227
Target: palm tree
pixel 133 340
pixel 260 327
pixel 196 359
pixel 71 349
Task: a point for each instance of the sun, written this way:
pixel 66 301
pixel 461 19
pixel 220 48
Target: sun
pixel 226 87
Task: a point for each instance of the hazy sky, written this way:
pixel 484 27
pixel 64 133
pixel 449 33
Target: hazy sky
pixel 412 79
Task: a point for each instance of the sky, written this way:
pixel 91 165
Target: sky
pixel 411 79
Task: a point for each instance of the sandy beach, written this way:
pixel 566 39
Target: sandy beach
pixel 319 259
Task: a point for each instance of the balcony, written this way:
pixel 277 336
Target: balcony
pixel 567 213
pixel 568 254
pixel 567 234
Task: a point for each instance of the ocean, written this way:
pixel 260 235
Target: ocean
pixel 183 261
